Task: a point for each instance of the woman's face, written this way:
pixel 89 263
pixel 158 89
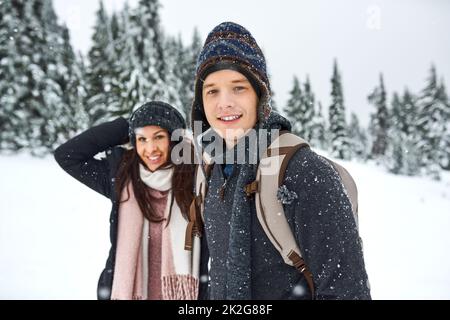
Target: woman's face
pixel 152 146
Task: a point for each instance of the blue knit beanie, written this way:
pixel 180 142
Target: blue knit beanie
pixel 155 113
pixel 231 46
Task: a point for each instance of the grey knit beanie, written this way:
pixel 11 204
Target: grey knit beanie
pixel 155 113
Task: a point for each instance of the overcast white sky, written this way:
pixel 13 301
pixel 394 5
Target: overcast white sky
pixel 400 38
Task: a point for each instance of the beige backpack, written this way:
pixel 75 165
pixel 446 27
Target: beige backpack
pixel 270 212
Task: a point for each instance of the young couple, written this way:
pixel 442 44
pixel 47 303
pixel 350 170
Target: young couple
pixel 151 194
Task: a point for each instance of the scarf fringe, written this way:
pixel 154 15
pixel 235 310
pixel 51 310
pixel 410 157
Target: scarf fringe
pixel 179 287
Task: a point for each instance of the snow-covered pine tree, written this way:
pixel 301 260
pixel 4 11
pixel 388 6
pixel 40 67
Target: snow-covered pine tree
pixel 11 84
pixel 394 154
pixel 133 84
pixel 72 94
pixel 102 100
pixel 75 91
pixel 340 146
pixel 307 110
pixel 54 108
pixel 318 130
pixel 27 84
pixel 39 80
pixel 115 30
pixel 187 75
pixel 410 113
pixel 293 107
pixel 445 142
pixel 273 101
pixel 379 120
pixel 357 138
pixel 149 44
pixel 431 125
pixel 174 54
pixel 40 99
pixel 115 85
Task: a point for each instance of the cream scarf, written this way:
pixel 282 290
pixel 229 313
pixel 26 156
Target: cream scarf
pixel 179 268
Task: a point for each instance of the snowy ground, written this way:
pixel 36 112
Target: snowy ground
pixel 405 226
pixel 54 232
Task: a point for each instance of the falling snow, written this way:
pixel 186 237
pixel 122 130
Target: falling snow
pixel 47 247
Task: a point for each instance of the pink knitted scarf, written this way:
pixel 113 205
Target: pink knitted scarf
pixel 144 267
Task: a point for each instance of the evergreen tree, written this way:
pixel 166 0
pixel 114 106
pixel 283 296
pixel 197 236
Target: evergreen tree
pixel 132 83
pixel 149 45
pixel 75 91
pixel 115 85
pixel 273 101
pixel 52 104
pixel 11 84
pixel 38 79
pixel 293 107
pixel 410 134
pixel 379 120
pixel 445 142
pixel 100 75
pixel 397 118
pixel 409 114
pixel 340 146
pixel 300 109
pixel 401 155
pixel 307 110
pixel 32 61
pixel 71 115
pixel 394 154
pixel 188 74
pixel 357 138
pixel 115 31
pixel 318 130
pixel 431 125
pixel 38 67
pixel 175 54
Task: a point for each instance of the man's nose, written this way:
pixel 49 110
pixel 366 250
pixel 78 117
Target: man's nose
pixel 225 101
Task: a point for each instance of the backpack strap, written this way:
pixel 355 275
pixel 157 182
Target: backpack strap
pixel 196 208
pixel 270 212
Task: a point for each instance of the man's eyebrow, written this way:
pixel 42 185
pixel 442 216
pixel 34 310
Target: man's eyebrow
pixel 240 80
pixel 243 80
pixel 208 85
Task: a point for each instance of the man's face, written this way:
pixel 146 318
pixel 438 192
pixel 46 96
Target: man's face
pixel 230 104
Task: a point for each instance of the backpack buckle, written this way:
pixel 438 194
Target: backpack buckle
pixel 251 188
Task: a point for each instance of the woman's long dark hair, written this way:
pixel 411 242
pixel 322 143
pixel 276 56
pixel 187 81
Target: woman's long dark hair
pixel 182 184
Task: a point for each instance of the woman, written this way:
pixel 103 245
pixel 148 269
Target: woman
pixel 150 202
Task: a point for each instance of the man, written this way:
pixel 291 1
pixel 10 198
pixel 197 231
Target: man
pixel 232 100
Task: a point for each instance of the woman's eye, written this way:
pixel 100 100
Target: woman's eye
pixel 212 91
pixel 159 137
pixel 141 139
pixel 238 89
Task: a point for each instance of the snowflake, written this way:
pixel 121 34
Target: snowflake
pixel 286 196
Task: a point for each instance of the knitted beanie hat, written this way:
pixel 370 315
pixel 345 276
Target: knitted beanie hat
pixel 155 113
pixel 231 46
